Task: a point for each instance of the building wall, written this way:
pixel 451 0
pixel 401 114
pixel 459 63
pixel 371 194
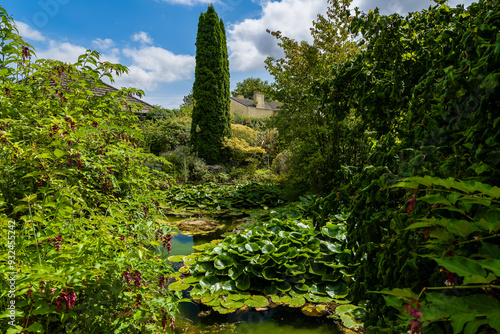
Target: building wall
pixel 249 112
pixel 236 107
pixel 259 113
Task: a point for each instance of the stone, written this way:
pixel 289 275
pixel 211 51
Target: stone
pixel 193 225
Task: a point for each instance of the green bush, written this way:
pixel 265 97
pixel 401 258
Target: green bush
pixel 244 132
pixel 79 222
pixel 165 134
pixel 240 152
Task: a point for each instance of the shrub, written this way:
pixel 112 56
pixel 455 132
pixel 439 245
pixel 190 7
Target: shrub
pixel 80 232
pixel 244 132
pixel 240 152
pixel 165 134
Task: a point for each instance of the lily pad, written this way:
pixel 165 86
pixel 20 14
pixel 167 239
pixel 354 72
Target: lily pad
pixel 178 286
pixel 257 301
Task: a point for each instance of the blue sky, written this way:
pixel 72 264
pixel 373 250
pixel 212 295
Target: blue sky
pixel 155 38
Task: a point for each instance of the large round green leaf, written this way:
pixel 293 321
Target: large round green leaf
pixel 283 286
pixel 252 247
pixel 208 281
pixel 331 230
pixel 223 261
pixel 297 301
pixel 257 301
pixel 231 304
pixel 243 282
pixel 235 271
pixel 269 273
pixel 337 290
pixel 317 268
pixel 268 248
pixel 228 285
pixel 178 286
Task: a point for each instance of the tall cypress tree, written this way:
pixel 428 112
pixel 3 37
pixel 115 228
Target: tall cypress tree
pixel 210 117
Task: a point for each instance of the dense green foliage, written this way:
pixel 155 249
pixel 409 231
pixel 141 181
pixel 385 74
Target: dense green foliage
pixel 223 197
pixel 282 258
pixel 425 89
pixel 211 117
pixel 164 130
pixel 458 224
pixel 321 142
pixel 79 235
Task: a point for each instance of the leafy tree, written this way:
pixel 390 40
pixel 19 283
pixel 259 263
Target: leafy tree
pixel 211 116
pixel 188 100
pixel 249 85
pixel 321 142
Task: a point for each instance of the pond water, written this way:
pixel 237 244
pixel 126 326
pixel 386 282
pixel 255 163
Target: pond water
pixel 200 319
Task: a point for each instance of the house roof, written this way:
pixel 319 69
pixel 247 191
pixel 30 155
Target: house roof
pixel 251 104
pixel 105 88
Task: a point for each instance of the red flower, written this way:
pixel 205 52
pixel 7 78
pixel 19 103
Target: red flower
pixel 136 277
pixel 415 326
pixel 412 202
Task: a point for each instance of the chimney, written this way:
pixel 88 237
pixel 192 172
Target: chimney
pixel 258 99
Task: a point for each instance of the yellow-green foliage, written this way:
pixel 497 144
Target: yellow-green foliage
pixel 244 132
pixel 240 151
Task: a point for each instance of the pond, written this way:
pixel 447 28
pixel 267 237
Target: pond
pixel 199 319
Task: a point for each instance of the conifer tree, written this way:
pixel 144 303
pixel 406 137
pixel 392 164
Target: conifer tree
pixel 210 117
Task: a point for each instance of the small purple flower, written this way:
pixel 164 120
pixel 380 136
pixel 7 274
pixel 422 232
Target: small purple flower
pixel 136 277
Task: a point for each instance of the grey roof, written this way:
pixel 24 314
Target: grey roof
pixel 104 88
pixel 250 103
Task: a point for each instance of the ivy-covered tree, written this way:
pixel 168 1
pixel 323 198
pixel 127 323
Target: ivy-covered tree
pixel 211 117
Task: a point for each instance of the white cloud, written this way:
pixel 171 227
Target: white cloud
pixel 142 37
pixel 103 44
pixel 249 44
pixel 62 51
pixel 401 7
pixel 28 33
pixel 152 66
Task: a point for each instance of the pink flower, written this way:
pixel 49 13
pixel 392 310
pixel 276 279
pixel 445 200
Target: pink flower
pixel 415 313
pixel 412 202
pixel 415 326
pixel 136 277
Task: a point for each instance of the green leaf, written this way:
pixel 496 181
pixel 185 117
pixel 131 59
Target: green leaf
pixel 257 301
pixel 473 326
pixel 400 293
pixel 138 315
pixel 252 247
pixel 458 322
pixel 349 321
pixel 491 264
pixel 243 282
pixel 268 248
pixel 178 286
pixel 461 266
pixel 58 153
pixel 176 258
pixel 493 317
pixel 223 261
pixel 232 304
pixel 297 301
